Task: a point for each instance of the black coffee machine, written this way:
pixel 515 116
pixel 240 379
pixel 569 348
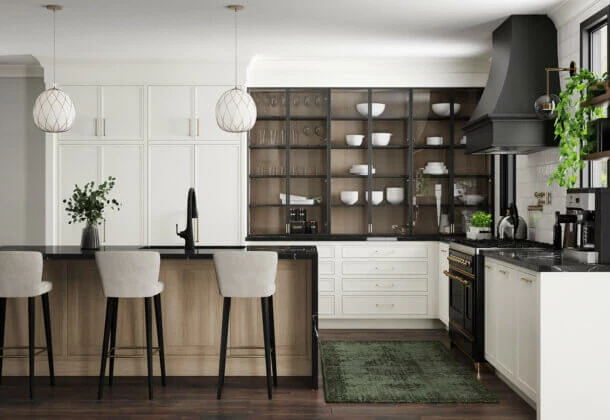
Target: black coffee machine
pixel 586 236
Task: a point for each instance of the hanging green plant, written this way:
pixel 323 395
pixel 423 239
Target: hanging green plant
pixel 572 125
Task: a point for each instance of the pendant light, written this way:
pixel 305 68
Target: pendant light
pixel 54 110
pixel 545 105
pixel 235 109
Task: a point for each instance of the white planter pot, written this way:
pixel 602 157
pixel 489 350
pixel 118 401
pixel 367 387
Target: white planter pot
pixel 477 233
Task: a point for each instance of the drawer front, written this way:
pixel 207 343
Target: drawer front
pixel 385 305
pixel 385 285
pixel 326 305
pixel 386 267
pixel 326 285
pixel 326 267
pixel 384 252
pixel 326 251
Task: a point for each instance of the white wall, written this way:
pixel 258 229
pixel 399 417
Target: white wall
pixel 22 161
pixel 533 171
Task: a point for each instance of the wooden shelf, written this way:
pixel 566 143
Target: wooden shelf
pixel 598 100
pixel 598 155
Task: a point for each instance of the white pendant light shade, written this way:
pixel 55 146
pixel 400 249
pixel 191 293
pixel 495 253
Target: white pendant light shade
pixel 235 111
pixel 54 111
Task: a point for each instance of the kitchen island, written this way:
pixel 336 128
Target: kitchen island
pixel 192 314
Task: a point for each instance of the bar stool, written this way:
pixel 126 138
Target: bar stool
pixel 242 274
pixel 130 274
pixel 21 276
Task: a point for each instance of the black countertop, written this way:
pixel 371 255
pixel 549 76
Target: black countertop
pixel 544 261
pixel 340 238
pixel 167 252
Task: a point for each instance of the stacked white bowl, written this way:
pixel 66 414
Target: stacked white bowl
pixel 354 139
pixel 376 109
pixel 349 197
pixel 395 195
pixel 381 139
pixel 377 197
pixel 436 168
pixel 360 170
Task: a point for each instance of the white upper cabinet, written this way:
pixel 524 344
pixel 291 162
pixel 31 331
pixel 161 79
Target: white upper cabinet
pixel 207 96
pixel 125 163
pixel 86 103
pixel 106 112
pixel 122 112
pixel 171 113
pixel 218 181
pixel 170 177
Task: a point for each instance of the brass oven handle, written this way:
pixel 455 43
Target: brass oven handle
pixel 458 278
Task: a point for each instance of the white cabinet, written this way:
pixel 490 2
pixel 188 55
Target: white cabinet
pixel 218 186
pixel 171 174
pixel 443 283
pixel 511 324
pixel 106 112
pixel 185 113
pixel 82 163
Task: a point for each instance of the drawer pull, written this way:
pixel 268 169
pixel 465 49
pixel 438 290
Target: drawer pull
pixel 377 268
pixel 384 251
pixel 527 280
pixel 487 266
pixel 502 271
pixel 444 251
pixel 384 286
pixel 457 278
pixel 384 305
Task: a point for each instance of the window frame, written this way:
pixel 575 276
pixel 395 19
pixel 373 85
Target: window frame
pixel 587 27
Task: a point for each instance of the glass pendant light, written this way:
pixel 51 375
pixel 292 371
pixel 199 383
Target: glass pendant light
pixel 54 110
pixel 235 109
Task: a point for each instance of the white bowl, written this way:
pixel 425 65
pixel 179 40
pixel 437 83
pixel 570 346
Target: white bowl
pixel 376 109
pixel 434 141
pixel 377 197
pixel 394 195
pixel 443 109
pixel 360 168
pixel 435 165
pixel 349 197
pixel 472 199
pixel 354 139
pixel 381 139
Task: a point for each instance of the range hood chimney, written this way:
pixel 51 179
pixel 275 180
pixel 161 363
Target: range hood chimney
pixel 504 121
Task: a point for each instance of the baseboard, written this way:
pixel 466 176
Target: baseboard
pixel 382 324
pixel 517 390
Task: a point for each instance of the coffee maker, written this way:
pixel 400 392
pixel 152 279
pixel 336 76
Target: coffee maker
pixel 587 225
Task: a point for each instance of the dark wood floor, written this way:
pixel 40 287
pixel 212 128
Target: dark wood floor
pixel 195 397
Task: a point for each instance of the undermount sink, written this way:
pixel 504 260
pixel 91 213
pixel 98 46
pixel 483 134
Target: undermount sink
pixel 197 247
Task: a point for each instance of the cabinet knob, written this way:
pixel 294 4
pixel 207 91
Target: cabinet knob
pixel 530 281
pixel 502 271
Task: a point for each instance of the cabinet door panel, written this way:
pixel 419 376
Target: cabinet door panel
pixel 86 102
pixel 491 312
pixel 207 96
pixel 218 184
pixel 527 330
pixel 171 175
pixel 77 164
pixel 125 163
pixel 170 112
pixel 507 328
pixel 443 284
pixel 122 112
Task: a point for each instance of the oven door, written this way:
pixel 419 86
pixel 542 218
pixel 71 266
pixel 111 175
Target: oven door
pixel 461 304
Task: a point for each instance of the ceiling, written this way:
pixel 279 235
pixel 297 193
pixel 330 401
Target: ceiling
pixel 203 29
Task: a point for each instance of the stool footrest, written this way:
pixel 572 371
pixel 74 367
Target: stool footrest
pixel 129 356
pixel 40 350
pixel 245 348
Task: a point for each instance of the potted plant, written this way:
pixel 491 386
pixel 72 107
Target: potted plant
pixel 573 126
pixel 480 223
pixel 87 204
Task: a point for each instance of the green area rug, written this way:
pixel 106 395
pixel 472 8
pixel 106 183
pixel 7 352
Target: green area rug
pixel 397 371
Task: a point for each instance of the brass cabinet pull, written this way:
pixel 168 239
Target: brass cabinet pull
pixel 190 128
pixel 502 271
pixel 530 281
pixel 95 126
pixel 104 126
pixel 197 127
pixel 444 251
pixel 487 266
pixel 384 286
pixel 384 305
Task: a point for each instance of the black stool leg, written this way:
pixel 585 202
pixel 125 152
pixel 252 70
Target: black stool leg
pixel 107 326
pixel 115 315
pixel 31 330
pixel 272 336
pixel 2 318
pixel 47 329
pixel 159 319
pixel 148 314
pixel 265 310
pixel 226 309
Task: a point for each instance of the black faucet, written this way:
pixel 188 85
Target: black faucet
pixel 191 213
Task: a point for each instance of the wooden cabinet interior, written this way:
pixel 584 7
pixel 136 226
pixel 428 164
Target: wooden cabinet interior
pixel 298 147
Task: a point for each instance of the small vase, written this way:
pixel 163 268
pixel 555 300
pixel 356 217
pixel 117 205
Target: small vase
pixel 90 238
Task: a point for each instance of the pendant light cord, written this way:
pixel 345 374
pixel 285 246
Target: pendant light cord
pixel 54 85
pixel 235 25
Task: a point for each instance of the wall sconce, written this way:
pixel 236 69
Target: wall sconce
pixel 545 104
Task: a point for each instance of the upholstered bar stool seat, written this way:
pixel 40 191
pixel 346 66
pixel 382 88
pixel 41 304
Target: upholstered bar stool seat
pixel 243 274
pixel 130 274
pixel 21 277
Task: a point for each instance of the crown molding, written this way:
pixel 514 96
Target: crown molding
pixel 570 9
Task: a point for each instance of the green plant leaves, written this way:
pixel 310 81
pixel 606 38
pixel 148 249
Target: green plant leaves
pixel 480 219
pixel 88 203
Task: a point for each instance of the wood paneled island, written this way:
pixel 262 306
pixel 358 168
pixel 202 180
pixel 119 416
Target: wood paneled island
pixel 192 314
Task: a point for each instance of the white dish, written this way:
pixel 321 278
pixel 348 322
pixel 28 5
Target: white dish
pixel 354 139
pixel 359 168
pixel 363 173
pixel 435 164
pixel 381 139
pixel 436 171
pixel 377 197
pixel 395 195
pixel 434 141
pixel 472 199
pixel 349 197
pixel 463 140
pixel 309 202
pixel 376 109
pixel 443 109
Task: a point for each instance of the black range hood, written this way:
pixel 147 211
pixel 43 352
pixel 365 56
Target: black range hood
pixel 504 121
